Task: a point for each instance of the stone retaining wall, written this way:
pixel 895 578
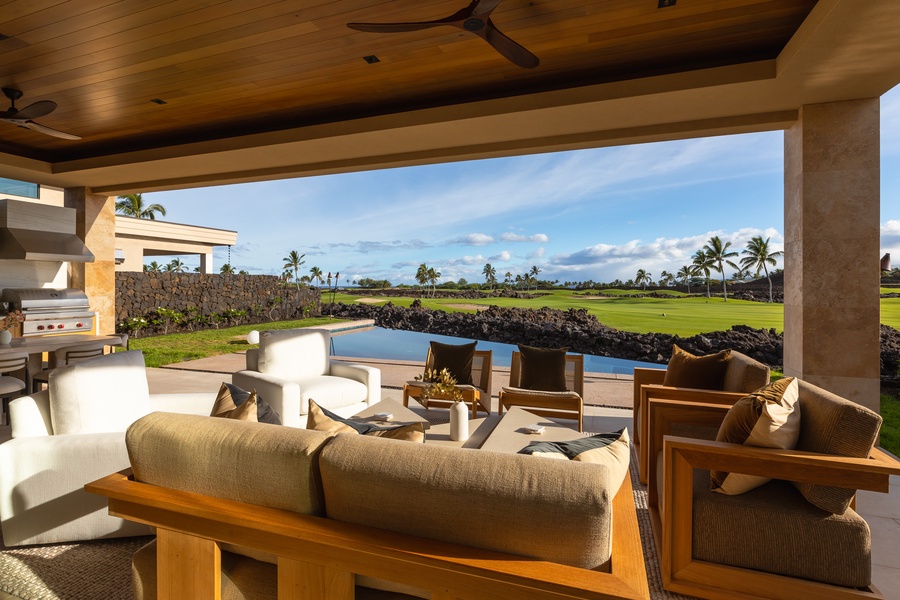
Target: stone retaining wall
pixel 261 298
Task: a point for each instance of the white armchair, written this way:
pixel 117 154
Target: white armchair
pixel 293 366
pixel 69 435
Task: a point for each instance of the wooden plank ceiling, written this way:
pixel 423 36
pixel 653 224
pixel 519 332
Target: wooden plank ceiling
pixel 231 67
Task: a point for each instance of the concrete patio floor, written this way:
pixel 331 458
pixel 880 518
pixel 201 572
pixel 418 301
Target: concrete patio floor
pixel 881 511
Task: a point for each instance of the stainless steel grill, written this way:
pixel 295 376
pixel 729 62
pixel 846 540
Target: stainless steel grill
pixel 51 311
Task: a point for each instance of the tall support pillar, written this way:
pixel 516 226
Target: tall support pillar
pixel 831 223
pixel 95 223
pixel 206 263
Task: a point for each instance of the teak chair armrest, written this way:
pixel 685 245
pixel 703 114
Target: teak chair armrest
pixel 652 392
pixel 318 557
pixel 661 416
pixel 682 574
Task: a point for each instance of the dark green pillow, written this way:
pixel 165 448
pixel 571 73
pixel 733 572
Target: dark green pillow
pixel 456 358
pixel 542 369
pixel 699 372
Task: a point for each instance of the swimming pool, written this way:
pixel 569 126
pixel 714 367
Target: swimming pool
pixel 377 342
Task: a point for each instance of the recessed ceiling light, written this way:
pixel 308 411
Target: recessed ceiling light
pixel 665 3
pixel 158 101
pixel 371 59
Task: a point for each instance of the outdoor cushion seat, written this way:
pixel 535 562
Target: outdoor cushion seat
pixel 331 392
pixel 293 366
pixel 774 529
pixel 794 537
pixel 742 376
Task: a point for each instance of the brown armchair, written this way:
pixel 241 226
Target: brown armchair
pixel 743 375
pixel 565 405
pixel 797 536
pixel 476 395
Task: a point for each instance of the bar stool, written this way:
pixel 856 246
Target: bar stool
pixel 67 355
pixel 11 387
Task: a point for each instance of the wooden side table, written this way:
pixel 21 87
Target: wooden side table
pixel 472 396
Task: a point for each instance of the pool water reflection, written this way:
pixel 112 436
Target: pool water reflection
pixel 394 344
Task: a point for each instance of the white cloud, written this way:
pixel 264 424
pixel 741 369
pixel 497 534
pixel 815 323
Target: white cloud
pixel 473 239
pixel 539 238
pixel 502 256
pixel 604 262
pixel 890 239
pixel 539 253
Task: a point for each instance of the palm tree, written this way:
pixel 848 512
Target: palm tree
pixel 534 273
pixel 422 274
pixel 316 275
pixel 433 277
pixel 153 267
pixel 490 275
pixel 226 269
pixel 719 255
pixel 642 278
pixel 758 257
pixel 702 264
pixel 294 260
pixel 132 205
pixel 685 273
pixel 507 279
pixel 664 278
pixel 176 266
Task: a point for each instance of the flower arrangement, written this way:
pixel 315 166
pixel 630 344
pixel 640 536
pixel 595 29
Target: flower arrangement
pixel 440 385
pixel 11 319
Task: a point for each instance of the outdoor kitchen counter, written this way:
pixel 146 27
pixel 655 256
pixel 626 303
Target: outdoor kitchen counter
pixel 36 346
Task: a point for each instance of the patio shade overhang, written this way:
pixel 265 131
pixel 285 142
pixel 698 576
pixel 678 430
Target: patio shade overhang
pixel 266 90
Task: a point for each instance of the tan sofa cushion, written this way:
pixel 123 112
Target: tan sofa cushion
pixel 773 529
pixel 699 372
pixel 744 374
pixel 257 463
pixel 552 510
pixel 833 425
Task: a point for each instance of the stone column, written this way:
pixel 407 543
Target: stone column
pixel 206 263
pixel 95 223
pixel 831 224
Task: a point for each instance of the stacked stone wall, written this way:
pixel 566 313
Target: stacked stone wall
pixel 262 298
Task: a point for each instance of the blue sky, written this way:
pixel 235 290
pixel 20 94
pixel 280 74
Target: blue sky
pixel 591 214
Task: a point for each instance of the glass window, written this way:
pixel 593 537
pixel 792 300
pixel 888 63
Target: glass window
pixel 18 188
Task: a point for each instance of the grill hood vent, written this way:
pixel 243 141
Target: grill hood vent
pixel 32 231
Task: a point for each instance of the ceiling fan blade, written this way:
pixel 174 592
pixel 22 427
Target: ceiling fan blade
pixel 484 8
pixel 37 110
pixel 512 50
pixel 50 131
pixel 394 27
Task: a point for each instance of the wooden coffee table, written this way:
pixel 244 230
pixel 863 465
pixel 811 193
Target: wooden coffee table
pixel 401 414
pixel 509 435
pixel 472 396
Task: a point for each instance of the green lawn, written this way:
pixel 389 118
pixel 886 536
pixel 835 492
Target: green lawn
pixel 178 347
pixel 683 316
pixel 890 428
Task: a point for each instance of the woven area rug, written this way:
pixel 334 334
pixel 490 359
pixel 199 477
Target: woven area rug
pixel 651 559
pixel 77 571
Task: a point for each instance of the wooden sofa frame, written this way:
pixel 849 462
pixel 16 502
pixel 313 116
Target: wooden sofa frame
pixel 318 557
pixel 648 385
pixel 672 513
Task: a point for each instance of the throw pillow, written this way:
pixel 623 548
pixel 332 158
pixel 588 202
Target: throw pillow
pixel 456 358
pixel 700 372
pixel 230 404
pixel 610 449
pixel 542 369
pixel 322 419
pixel 766 418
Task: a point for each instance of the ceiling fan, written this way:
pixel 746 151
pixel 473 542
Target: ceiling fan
pixel 23 117
pixel 475 18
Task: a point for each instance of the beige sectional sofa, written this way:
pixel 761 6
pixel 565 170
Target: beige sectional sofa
pixel 336 512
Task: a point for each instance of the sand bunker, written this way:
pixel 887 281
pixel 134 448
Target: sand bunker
pixel 478 307
pixel 372 300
